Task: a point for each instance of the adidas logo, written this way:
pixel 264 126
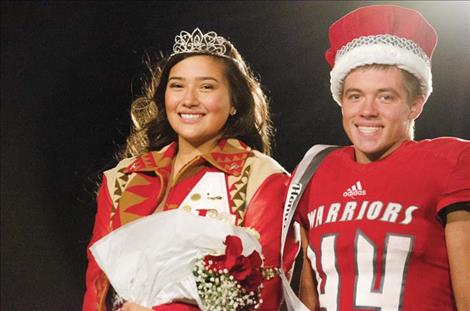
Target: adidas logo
pixel 355 189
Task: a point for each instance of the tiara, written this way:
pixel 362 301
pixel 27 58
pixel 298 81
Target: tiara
pixel 197 42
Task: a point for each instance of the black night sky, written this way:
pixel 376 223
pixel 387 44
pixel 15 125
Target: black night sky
pixel 70 69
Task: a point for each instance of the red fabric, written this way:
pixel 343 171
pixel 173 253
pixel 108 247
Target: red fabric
pixel 385 240
pixel 266 218
pixel 96 282
pixel 176 307
pixel 381 19
pixel 264 214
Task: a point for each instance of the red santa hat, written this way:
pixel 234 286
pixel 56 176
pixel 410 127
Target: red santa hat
pixel 381 34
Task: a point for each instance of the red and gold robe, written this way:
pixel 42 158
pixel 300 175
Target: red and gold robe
pixel 256 187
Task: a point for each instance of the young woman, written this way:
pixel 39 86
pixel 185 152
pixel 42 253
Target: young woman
pixel 203 112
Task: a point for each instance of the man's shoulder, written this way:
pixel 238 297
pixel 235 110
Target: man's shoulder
pixel 442 151
pixel 336 150
pixel 442 146
pixel 330 159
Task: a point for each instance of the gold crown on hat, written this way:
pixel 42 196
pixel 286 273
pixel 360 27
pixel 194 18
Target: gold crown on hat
pixel 198 42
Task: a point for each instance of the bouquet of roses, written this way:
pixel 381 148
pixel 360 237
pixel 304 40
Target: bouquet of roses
pixel 146 267
pixel 230 281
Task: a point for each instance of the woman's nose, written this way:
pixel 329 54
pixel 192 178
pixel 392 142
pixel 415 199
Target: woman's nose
pixel 190 97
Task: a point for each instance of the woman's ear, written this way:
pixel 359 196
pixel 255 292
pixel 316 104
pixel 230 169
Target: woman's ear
pixel 233 111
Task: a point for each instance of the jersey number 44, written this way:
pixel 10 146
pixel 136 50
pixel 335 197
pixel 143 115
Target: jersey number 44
pixel 387 296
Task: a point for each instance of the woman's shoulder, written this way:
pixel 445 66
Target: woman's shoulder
pixel 122 165
pixel 251 159
pixel 151 160
pixel 262 170
pixel 262 162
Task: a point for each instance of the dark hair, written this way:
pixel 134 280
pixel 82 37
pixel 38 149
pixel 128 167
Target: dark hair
pixel 251 123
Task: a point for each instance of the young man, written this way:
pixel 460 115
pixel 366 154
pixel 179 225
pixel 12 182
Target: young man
pixel 387 219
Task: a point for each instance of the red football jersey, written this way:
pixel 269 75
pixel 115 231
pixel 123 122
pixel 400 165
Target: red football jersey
pixel 375 239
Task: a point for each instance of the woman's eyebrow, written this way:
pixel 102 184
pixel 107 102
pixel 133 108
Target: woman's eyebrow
pixel 197 78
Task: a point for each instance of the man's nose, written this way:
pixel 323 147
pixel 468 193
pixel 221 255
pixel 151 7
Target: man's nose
pixel 369 107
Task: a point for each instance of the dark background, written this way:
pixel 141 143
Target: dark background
pixel 69 71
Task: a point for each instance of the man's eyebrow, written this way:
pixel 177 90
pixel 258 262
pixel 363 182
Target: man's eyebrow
pixel 386 89
pixel 349 90
pixel 389 89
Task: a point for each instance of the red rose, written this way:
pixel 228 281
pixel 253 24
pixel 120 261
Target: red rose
pixel 233 251
pixel 255 277
pixel 246 270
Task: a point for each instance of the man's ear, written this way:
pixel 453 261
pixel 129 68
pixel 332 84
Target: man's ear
pixel 416 107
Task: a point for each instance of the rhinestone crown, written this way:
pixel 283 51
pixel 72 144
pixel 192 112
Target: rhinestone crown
pixel 197 42
pixel 385 39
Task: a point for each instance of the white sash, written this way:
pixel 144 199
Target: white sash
pixel 299 181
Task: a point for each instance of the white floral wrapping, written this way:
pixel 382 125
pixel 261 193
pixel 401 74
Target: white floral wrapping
pixel 150 261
